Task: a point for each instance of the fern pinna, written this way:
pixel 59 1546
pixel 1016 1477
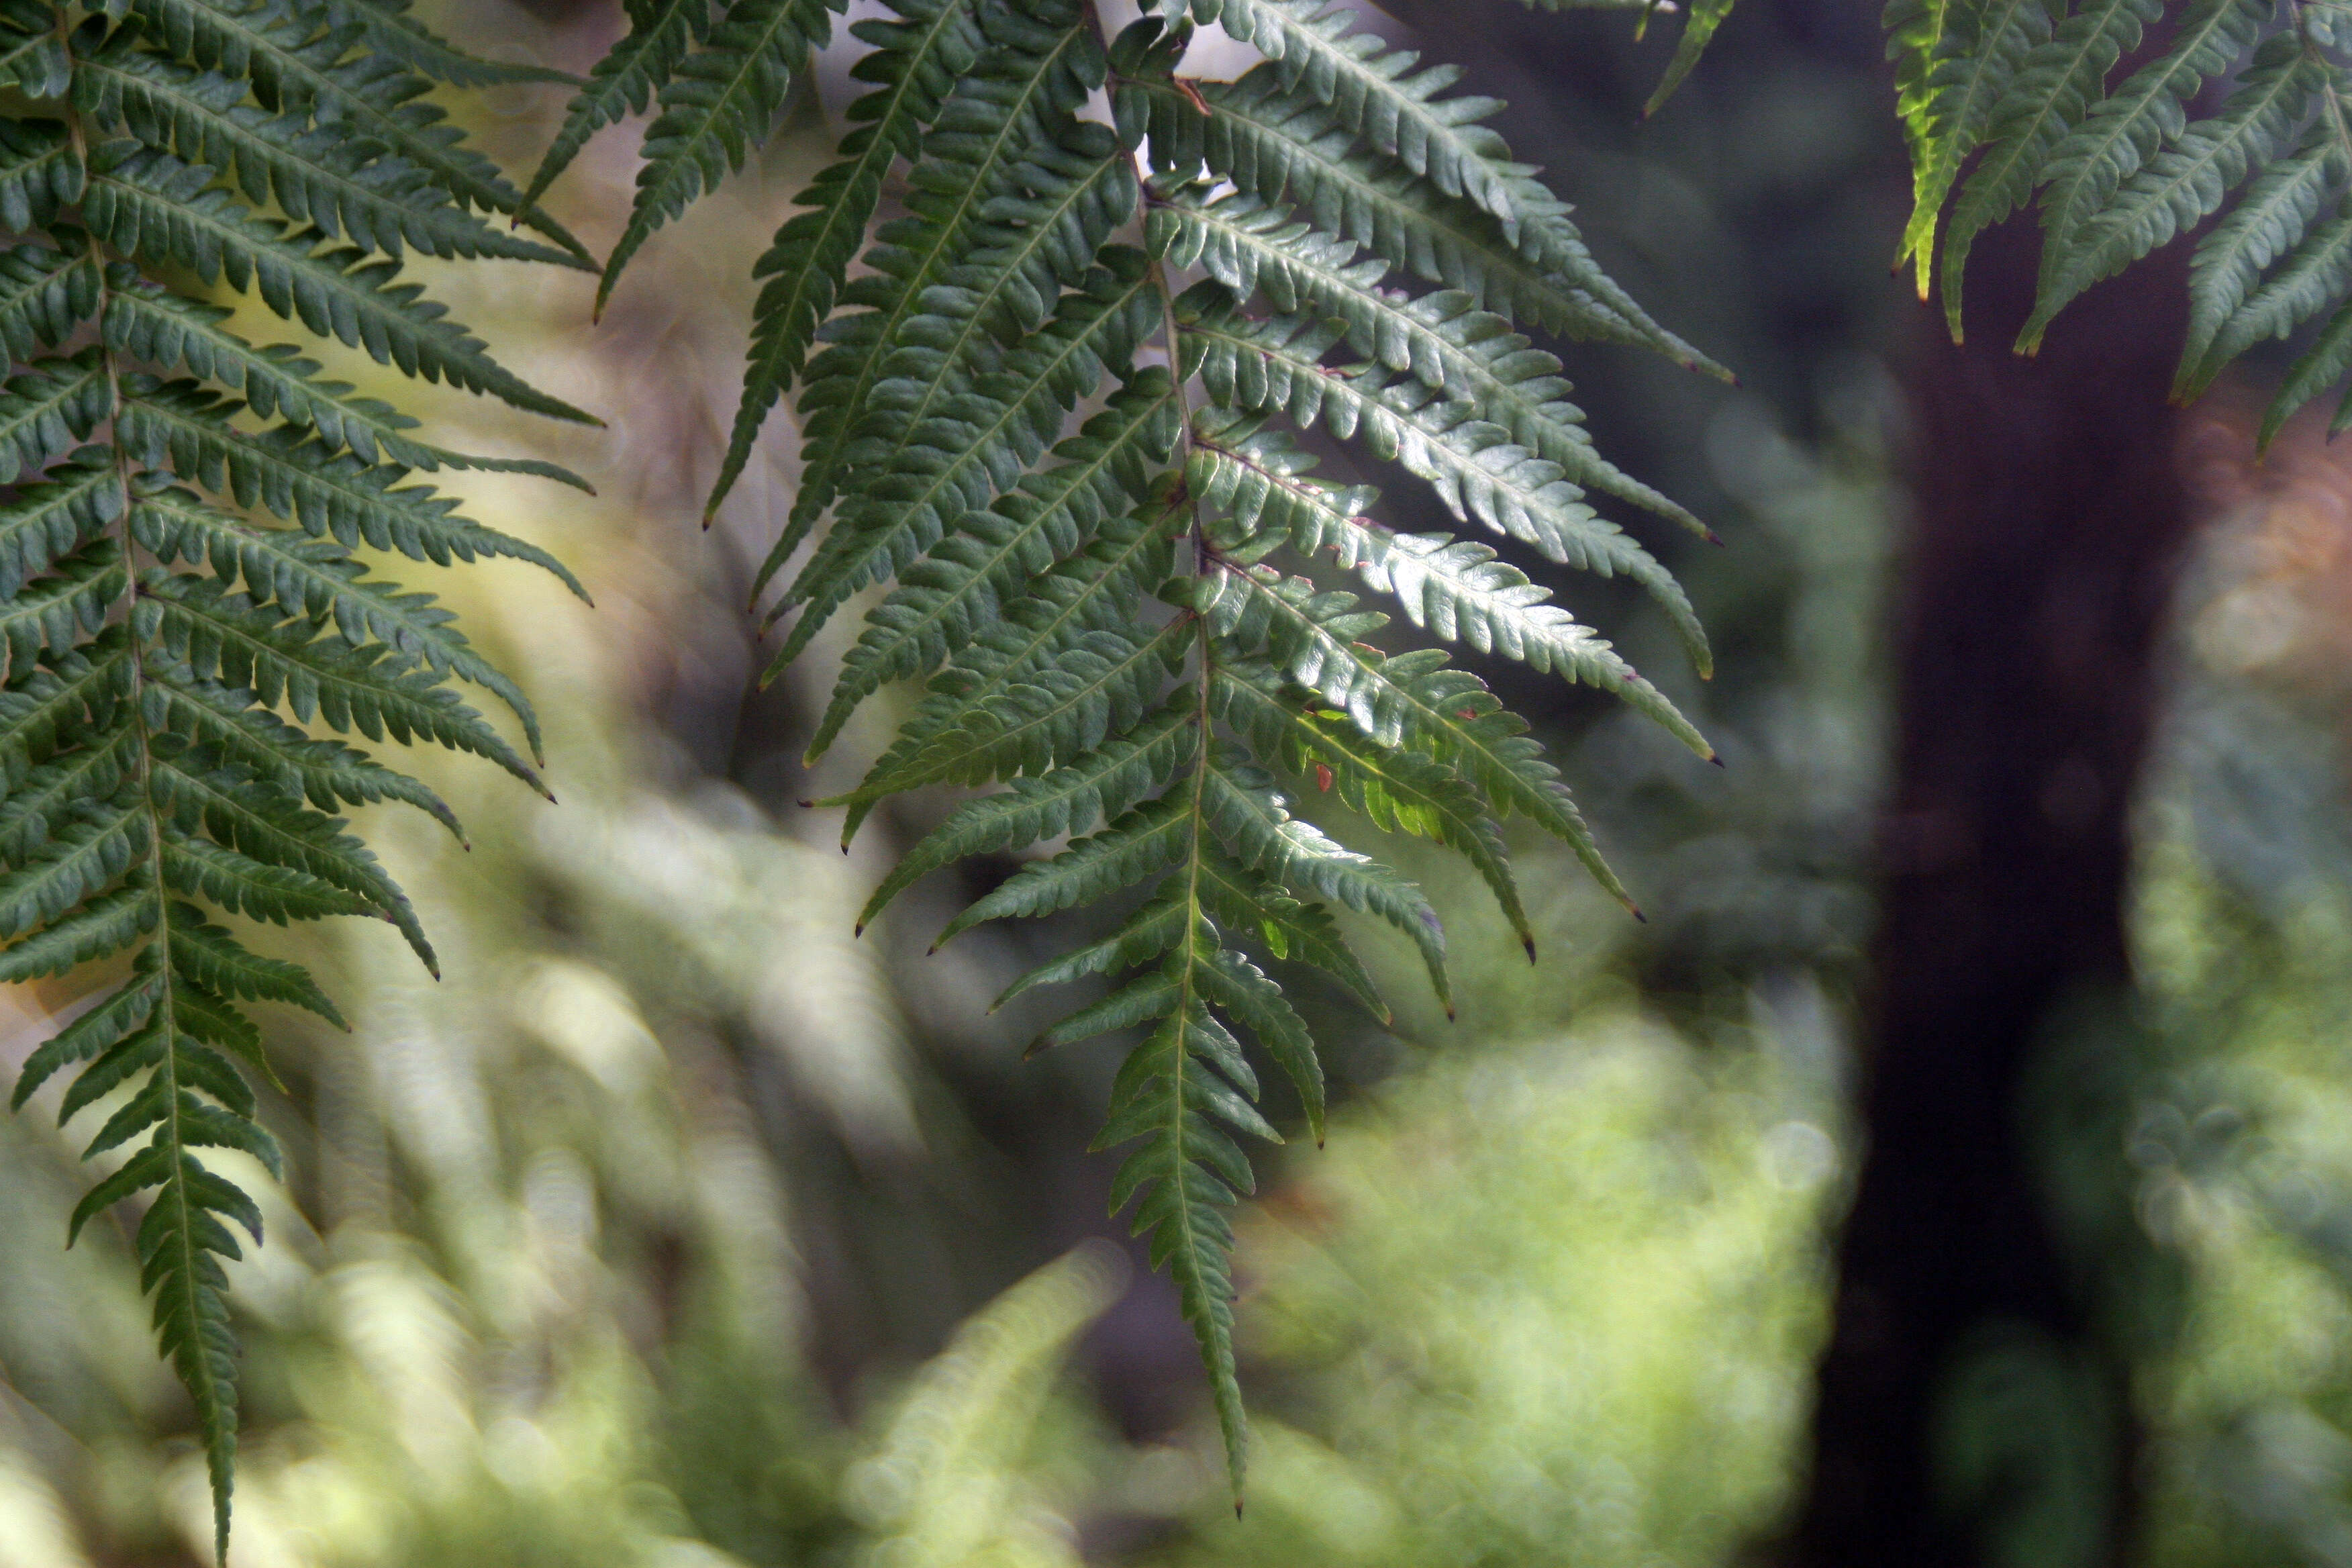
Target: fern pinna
pixel 2129 125
pixel 1047 424
pixel 183 590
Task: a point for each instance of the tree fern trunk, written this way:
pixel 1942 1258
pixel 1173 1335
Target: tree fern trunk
pixel 2050 514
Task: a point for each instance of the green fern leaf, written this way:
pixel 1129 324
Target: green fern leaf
pixel 716 102
pixel 2179 186
pixel 1470 463
pixel 1043 61
pixel 945 599
pixel 314 172
pixel 44 294
pixel 2051 94
pixel 916 61
pixel 149 204
pixel 2124 131
pixel 623 82
pixel 293 67
pixel 288 472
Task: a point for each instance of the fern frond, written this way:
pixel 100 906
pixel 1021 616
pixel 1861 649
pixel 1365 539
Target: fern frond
pixel 318 580
pixel 1086 606
pixel 1282 144
pixel 959 458
pixel 1097 787
pixel 386 27
pixel 2124 130
pixel 155 326
pixel 1042 62
pixel 2181 186
pixel 293 67
pixel 1470 463
pixel 623 82
pixel 290 473
pixel 716 102
pixel 917 60
pixel 1459 590
pixel 2231 306
pixel 1241 805
pixel 372 690
pixel 944 600
pixel 44 294
pixel 1413 700
pixel 2052 91
pixel 149 204
pixel 1976 52
pixel 1399 791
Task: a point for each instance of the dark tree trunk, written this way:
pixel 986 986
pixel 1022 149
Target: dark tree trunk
pixel 2050 514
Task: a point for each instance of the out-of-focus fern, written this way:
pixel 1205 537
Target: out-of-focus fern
pixel 2011 102
pixel 1062 470
pixel 158 635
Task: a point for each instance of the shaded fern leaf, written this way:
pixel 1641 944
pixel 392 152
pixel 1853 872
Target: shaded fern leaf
pixel 147 772
pixel 1003 459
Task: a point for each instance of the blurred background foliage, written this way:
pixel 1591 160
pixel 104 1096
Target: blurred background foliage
pixel 675 1228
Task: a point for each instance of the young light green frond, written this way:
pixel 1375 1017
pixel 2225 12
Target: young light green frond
pixel 2181 186
pixel 625 81
pixel 2048 97
pixel 946 599
pixel 315 173
pixel 717 102
pixel 149 204
pixel 918 60
pixel 1042 60
pixel 1094 788
pixel 1977 50
pixel 1241 805
pixel 293 67
pixel 292 474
